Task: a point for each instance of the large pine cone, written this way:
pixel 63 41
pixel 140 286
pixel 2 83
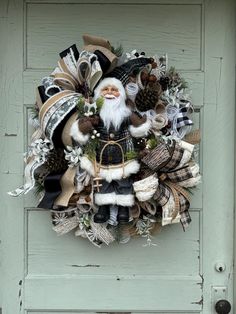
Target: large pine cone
pixel 146 99
pixel 56 161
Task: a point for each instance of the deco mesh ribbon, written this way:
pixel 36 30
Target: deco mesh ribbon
pixel 165 155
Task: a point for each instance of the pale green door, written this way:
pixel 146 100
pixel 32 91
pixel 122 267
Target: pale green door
pixel 44 273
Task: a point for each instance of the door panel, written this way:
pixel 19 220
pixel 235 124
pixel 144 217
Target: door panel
pixel 78 257
pixel 50 274
pixel 62 266
pixel 165 27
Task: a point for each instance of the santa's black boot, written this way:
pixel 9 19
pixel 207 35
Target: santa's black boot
pixel 123 214
pixel 102 215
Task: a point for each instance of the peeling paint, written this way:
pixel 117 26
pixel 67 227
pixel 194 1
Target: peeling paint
pixel 20 295
pixel 200 302
pixel 10 134
pixel 88 265
pixel 202 282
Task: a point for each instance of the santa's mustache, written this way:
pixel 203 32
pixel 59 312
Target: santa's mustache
pixel 110 96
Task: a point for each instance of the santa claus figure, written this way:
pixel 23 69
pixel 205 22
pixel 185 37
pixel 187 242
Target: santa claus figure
pixel 116 160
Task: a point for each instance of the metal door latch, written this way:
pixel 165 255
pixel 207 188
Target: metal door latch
pixel 220 304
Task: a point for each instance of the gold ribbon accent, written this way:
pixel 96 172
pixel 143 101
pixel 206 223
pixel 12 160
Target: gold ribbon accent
pixel 67 186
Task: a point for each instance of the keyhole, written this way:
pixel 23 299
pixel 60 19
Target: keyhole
pixel 220 267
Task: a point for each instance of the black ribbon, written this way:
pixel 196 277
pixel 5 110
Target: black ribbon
pixel 66 51
pixel 52 188
pixel 42 94
pixel 124 71
pixel 103 60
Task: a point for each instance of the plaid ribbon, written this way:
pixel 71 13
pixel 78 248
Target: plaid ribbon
pixel 182 118
pixel 184 203
pixel 124 71
pixel 157 157
pixel 181 198
pixel 185 219
pixel 175 159
pixel 162 194
pixel 179 175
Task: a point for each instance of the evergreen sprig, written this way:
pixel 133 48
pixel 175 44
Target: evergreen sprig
pixel 117 50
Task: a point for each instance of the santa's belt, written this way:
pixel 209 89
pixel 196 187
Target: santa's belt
pixel 111 142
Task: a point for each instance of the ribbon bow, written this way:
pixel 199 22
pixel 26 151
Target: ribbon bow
pixel 181 123
pixel 70 74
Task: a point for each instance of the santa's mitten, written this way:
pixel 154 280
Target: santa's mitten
pixel 136 120
pixel 85 125
pixel 94 120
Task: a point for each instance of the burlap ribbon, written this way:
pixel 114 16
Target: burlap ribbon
pixel 70 74
pixel 193 137
pixel 67 187
pixel 102 49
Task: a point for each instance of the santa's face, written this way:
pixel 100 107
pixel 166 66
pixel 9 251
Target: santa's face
pixel 114 109
pixel 110 92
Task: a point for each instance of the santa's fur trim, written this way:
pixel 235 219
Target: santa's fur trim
pixel 86 164
pixel 105 198
pixel 112 172
pixel 77 135
pixel 109 81
pixel 117 173
pixel 141 130
pixel 114 199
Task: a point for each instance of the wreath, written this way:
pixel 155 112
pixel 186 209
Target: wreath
pixel 113 154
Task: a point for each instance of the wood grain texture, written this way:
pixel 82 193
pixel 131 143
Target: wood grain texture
pixel 218 145
pixel 123 294
pixel 11 165
pixel 49 254
pixel 163 28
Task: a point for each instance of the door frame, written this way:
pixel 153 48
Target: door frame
pixel 223 61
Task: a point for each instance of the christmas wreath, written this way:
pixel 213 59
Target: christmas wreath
pixel 112 155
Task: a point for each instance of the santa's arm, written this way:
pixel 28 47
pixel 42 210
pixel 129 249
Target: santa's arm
pixel 81 129
pixel 140 126
pixel 76 133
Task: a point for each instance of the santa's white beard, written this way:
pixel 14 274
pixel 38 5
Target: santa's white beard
pixel 113 112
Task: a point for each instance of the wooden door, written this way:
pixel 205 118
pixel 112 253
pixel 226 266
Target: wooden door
pixel 44 273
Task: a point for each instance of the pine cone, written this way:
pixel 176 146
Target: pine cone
pixel 164 82
pixel 146 99
pixel 56 161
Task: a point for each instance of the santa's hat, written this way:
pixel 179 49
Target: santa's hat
pixel 110 81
